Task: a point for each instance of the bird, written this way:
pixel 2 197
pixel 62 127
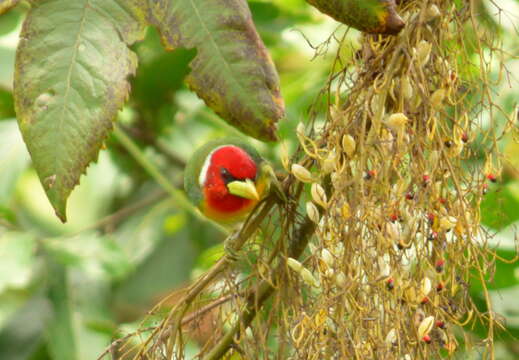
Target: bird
pixel 226 178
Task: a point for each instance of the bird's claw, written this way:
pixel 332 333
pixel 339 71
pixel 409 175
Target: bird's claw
pixel 229 249
pixel 231 255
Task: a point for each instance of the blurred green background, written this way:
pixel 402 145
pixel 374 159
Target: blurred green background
pixel 65 290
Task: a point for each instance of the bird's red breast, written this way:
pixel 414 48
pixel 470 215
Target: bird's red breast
pixel 226 164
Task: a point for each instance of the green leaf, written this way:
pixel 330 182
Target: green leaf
pixel 209 257
pixel 87 204
pixel 160 73
pixel 174 248
pixel 10 302
pixel 141 233
pixel 17 260
pixel 14 158
pixel 232 71
pixel 71 78
pixel 499 207
pixel 22 335
pixel 6 5
pixel 79 302
pixel 505 303
pixel 372 16
pixel 159 76
pixel 61 338
pixel 94 254
pixel 505 275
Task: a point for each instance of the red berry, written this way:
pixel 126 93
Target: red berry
pixel 440 324
pixel 442 201
pixel 390 284
pixel 409 196
pixel 424 301
pixel 393 217
pixel 453 76
pixel 427 339
pixel 439 265
pixel 465 137
pixel 439 287
pixel 426 180
pixel 430 218
pixel 370 174
pixel 492 177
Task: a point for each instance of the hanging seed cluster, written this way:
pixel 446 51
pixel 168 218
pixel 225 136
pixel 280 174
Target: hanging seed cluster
pixel 392 184
pixel 398 237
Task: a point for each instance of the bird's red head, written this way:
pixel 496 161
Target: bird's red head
pixel 224 165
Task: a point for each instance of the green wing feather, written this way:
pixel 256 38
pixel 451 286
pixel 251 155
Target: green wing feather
pixel 194 166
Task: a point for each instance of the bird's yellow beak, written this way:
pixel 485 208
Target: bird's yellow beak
pixel 245 189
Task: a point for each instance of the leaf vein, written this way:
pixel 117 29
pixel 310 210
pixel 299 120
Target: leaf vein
pixel 72 61
pixel 218 50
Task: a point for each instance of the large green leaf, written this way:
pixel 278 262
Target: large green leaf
pixel 232 72
pixel 71 78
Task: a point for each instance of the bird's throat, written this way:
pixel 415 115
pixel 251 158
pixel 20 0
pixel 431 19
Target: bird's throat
pixel 224 207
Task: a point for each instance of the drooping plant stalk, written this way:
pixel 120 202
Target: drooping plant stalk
pixel 395 239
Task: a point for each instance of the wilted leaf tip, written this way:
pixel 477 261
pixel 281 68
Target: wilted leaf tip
pixel 58 201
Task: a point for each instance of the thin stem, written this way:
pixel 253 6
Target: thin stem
pixel 169 327
pixel 114 218
pixel 157 143
pixel 265 289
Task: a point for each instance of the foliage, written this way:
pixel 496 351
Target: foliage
pixel 90 65
pixel 135 263
pixel 72 76
pixel 232 71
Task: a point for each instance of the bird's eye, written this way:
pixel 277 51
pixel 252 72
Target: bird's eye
pixel 226 176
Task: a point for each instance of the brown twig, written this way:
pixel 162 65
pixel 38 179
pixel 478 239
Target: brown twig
pixel 156 143
pixel 265 289
pixel 169 328
pixel 121 214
